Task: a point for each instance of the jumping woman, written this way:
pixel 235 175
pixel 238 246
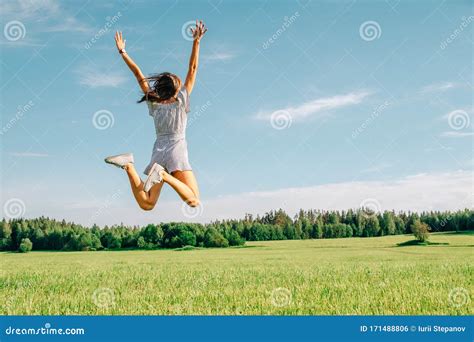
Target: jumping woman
pixel 168 103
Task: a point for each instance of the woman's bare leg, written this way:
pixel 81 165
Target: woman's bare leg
pixel 184 183
pixel 146 200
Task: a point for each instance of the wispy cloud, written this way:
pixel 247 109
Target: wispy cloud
pixel 21 43
pixel 457 134
pixel 29 155
pixel 438 148
pixel 318 107
pixel 26 9
pixel 439 87
pixel 68 24
pixel 377 168
pixel 218 56
pixel 42 16
pixel 95 79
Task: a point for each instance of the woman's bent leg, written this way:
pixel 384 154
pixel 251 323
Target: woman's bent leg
pixel 185 184
pixel 146 200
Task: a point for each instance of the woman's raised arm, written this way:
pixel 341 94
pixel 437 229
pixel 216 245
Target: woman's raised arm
pixel 198 32
pixel 142 81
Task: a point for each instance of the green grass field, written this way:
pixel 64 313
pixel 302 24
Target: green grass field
pixel 334 276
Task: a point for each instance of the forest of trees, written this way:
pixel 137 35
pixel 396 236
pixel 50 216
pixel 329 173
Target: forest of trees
pixel 43 233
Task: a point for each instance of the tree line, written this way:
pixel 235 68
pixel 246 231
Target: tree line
pixel 48 234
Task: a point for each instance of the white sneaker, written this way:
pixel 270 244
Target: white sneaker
pixel 120 160
pixel 154 177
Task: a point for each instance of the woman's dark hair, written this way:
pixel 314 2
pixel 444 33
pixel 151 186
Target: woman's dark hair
pixel 163 88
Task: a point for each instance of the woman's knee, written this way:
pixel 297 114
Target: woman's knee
pixel 146 205
pixel 193 202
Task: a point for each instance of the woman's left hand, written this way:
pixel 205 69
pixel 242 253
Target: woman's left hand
pixel 199 31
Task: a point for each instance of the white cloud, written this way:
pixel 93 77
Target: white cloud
pixel 218 56
pixel 441 191
pixel 42 16
pixel 439 87
pixel 457 134
pixel 29 154
pixel 427 191
pixel 68 24
pixel 27 9
pixel 438 148
pixel 318 107
pixel 95 79
pixel 377 168
pixel 21 43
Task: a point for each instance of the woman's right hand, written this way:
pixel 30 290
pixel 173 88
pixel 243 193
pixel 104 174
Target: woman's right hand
pixel 119 41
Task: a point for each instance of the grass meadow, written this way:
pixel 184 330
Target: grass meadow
pixel 355 276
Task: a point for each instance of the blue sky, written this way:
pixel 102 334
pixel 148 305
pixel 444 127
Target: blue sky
pixel 313 104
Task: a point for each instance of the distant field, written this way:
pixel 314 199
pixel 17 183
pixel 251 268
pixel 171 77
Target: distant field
pixel 334 276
